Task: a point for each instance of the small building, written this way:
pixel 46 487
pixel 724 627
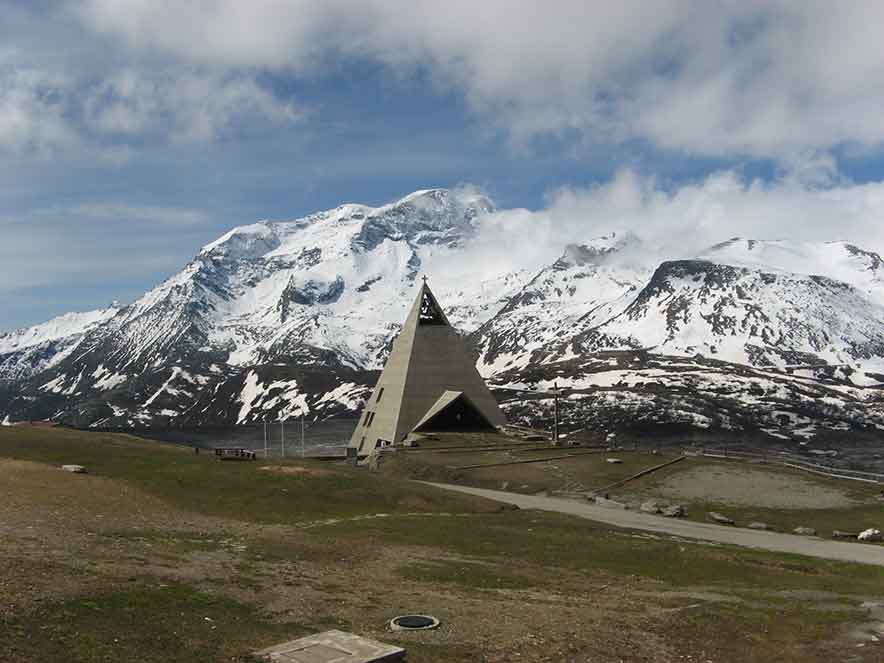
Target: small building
pixel 429 383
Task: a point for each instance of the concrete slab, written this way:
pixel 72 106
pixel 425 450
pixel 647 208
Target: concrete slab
pixel 331 647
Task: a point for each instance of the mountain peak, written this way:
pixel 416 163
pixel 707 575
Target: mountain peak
pixel 428 216
pixel 245 241
pixel 438 199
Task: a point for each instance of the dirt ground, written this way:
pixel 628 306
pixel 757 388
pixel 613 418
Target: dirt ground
pixel 296 470
pixel 748 486
pixel 564 591
pixel 64 535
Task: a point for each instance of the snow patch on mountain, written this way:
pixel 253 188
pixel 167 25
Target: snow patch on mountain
pixel 281 319
pixel 840 261
pixel 26 352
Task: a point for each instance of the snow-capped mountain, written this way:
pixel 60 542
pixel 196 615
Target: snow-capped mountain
pixel 272 318
pixel 26 352
pixel 275 319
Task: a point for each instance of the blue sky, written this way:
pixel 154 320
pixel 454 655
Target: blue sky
pixel 133 132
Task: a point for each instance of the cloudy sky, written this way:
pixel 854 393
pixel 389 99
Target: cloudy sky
pixel 134 131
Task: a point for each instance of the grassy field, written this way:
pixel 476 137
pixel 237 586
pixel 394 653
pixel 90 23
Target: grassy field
pixel 162 555
pixel 500 468
pixel 243 490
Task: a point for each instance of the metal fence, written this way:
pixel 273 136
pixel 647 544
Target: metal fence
pixel 290 438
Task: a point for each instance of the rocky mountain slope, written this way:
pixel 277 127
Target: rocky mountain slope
pixel 276 319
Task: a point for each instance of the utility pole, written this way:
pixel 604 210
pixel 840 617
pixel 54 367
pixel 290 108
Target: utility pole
pixel 556 413
pixel 265 437
pixel 302 434
pixel 282 432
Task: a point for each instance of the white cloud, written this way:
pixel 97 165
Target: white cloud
pixel 735 77
pixel 42 110
pixel 32 113
pixel 187 107
pixel 679 223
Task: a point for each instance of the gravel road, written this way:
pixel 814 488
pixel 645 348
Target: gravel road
pixel 774 541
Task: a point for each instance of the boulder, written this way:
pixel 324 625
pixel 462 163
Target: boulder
pixel 614 461
pixel 675 511
pixel 870 534
pixel 758 525
pixel 650 506
pixel 804 531
pixel 720 518
pixel 76 469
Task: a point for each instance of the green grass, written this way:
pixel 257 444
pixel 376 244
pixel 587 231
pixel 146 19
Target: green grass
pixel 174 624
pixel 465 548
pixel 472 574
pixel 736 631
pixel 590 469
pixel 551 541
pixel 824 521
pixel 237 490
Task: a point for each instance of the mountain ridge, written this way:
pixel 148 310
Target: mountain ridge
pixel 279 318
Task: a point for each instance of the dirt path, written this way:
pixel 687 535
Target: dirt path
pixel 774 541
pixel 749 486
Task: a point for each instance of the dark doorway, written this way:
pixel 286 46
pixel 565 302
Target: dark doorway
pixel 458 415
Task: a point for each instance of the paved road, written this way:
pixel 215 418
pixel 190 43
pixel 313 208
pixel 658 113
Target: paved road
pixel 788 543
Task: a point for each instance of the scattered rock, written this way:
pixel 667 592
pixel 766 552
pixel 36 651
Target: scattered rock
pixel 675 511
pixel 805 531
pixel 650 506
pixel 758 525
pixel 76 469
pixel 838 534
pixel 870 534
pixel 720 518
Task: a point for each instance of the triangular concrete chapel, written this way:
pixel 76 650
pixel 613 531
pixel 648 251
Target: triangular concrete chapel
pixel 429 383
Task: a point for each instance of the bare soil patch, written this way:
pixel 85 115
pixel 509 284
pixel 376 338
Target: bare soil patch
pixel 297 470
pixel 746 486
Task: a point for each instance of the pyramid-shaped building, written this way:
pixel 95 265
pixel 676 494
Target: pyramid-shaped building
pixel 429 383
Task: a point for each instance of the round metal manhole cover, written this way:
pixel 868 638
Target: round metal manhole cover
pixel 413 623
